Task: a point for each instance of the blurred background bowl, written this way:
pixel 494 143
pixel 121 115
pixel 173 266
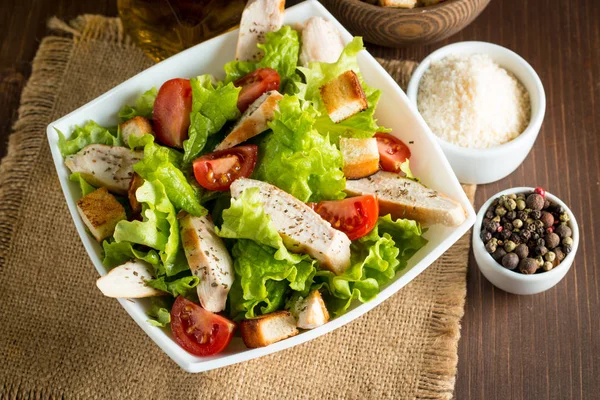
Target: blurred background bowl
pixel 398 27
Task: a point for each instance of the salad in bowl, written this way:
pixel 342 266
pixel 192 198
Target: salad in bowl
pixel 264 203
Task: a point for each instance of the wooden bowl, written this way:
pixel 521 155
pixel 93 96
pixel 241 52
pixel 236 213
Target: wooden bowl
pixel 397 27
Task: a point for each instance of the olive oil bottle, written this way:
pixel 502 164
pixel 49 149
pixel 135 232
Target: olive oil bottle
pixel 165 27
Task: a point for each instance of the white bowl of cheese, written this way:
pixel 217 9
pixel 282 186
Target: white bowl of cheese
pixel 479 163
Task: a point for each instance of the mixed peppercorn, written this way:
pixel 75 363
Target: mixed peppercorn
pixel 527 233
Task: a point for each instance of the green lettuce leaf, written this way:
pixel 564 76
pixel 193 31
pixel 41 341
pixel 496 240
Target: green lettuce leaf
pixel 143 106
pixel 360 125
pixel 263 280
pixel 246 219
pixel 159 311
pixel 176 286
pixel 375 260
pixel 117 253
pixel 135 142
pixel 212 107
pixel 162 164
pixel 85 187
pixel 159 228
pixel 296 158
pixel 82 136
pixel 281 49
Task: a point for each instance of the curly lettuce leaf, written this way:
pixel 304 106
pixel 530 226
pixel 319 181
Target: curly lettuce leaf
pixel 143 106
pixel 296 158
pixel 262 279
pixel 246 219
pixel 212 107
pixel 85 187
pixel 162 164
pixel 159 228
pixel 117 253
pixel 82 136
pixel 176 286
pixel 159 311
pixel 360 125
pixel 375 260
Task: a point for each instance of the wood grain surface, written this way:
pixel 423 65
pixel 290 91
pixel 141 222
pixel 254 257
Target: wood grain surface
pixel 512 347
pixel 397 27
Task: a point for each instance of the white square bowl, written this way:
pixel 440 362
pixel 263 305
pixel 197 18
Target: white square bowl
pixel 394 111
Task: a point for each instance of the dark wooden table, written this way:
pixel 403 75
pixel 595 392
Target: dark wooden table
pixel 512 347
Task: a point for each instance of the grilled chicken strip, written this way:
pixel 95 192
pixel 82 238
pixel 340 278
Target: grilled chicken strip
pixel 258 18
pixel 254 120
pixel 128 281
pixel 208 259
pixel 105 166
pixel 405 198
pixel 321 42
pixel 302 229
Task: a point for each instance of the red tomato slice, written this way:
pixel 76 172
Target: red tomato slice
pixel 171 113
pixel 255 84
pixel 216 171
pixel 392 152
pixel 198 331
pixel 355 216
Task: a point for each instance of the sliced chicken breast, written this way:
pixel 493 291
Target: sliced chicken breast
pixel 208 259
pixel 302 229
pixel 105 166
pixel 128 281
pixel 254 121
pixel 311 311
pixel 405 198
pixel 258 18
pixel 321 42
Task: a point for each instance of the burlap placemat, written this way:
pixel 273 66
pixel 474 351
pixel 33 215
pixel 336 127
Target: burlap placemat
pixel 60 338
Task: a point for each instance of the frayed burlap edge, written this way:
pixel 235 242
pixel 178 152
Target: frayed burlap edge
pixel 439 353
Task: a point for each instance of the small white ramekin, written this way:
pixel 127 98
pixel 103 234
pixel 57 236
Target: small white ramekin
pixel 515 282
pixel 481 166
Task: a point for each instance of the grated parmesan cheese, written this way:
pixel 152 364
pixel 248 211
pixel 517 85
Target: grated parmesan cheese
pixel 472 102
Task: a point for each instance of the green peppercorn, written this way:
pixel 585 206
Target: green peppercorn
pixel 491 246
pixel 511 204
pixel 521 204
pixel 522 251
pixel 517 223
pixel 528 266
pixel 548 266
pixel 509 246
pixel 539 260
pixel 510 261
pixel 568 241
pixel 500 211
pixel 550 256
pixel 496 219
pixel 512 196
pixel 521 196
pixel 564 217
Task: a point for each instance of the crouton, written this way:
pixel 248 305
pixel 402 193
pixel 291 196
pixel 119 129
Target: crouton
pixel 128 281
pixel 398 3
pixel 267 329
pixel 343 96
pixel 361 157
pixel 100 212
pixel 253 121
pixel 311 311
pixel 136 126
pixel 134 185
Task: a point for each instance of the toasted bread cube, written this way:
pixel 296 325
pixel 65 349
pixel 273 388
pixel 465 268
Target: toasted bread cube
pixel 267 329
pixel 100 212
pixel 136 126
pixel 311 311
pixel 134 185
pixel 361 157
pixel 128 281
pixel 343 96
pixel 398 3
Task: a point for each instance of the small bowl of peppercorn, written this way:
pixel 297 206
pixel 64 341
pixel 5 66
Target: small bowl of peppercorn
pixel 525 240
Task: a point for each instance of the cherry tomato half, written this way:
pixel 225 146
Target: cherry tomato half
pixel 171 113
pixel 355 216
pixel 218 170
pixel 254 85
pixel 198 331
pixel 392 152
